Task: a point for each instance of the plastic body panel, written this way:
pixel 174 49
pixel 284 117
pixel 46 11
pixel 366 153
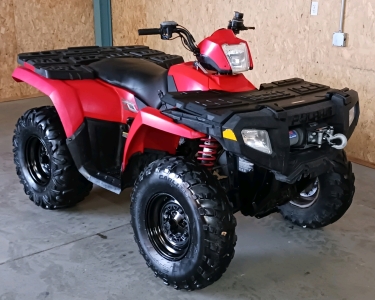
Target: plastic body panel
pixel 63 96
pixel 188 78
pixel 76 99
pixel 211 47
pixel 153 130
pixel 103 101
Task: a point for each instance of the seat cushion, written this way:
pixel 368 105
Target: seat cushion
pixel 142 78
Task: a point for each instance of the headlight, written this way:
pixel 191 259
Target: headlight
pixel 238 57
pixel 257 139
pixel 351 115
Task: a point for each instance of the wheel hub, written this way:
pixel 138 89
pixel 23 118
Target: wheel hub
pixel 308 196
pixel 44 159
pixel 167 226
pixel 174 224
pixel 37 160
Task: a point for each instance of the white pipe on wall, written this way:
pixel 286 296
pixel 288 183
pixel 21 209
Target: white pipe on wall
pixel 342 15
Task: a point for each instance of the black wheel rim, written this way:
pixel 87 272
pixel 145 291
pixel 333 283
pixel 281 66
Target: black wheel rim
pixel 167 226
pixel 37 160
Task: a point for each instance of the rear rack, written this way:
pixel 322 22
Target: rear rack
pixel 73 63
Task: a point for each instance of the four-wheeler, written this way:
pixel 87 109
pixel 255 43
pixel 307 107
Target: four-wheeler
pixel 196 141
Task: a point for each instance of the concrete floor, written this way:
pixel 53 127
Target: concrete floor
pixel 88 252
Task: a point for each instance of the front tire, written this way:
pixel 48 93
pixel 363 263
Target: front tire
pixel 329 199
pixel 183 223
pixel 43 161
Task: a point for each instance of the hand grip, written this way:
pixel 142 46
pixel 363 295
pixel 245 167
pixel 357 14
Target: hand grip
pixel 149 31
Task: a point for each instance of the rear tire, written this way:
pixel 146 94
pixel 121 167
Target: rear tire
pixel 183 223
pixel 334 196
pixel 43 161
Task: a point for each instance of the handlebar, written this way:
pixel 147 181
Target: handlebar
pixel 167 29
pixel 149 31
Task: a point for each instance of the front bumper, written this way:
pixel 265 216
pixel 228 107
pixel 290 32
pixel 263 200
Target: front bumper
pixel 312 162
pixel 290 166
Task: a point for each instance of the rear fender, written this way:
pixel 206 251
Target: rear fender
pixel 153 130
pixel 62 95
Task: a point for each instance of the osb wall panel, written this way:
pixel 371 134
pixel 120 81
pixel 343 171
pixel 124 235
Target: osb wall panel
pixel 359 23
pixel 8 47
pixel 42 25
pixel 127 17
pixel 352 66
pixel 287 42
pixel 361 145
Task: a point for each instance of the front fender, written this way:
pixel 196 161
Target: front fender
pixel 62 95
pixel 153 130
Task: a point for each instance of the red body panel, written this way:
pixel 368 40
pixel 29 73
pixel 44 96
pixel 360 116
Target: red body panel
pixel 63 96
pixel 76 99
pixel 98 101
pixel 103 101
pixel 211 47
pixel 153 130
pixel 188 78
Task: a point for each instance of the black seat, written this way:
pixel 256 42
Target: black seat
pixel 139 76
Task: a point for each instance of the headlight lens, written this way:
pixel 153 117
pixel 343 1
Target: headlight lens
pixel 237 56
pixel 351 115
pixel 257 139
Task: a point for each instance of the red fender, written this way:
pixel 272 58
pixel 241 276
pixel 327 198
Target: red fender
pixel 71 114
pixel 153 130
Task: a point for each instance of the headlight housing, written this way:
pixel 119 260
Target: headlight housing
pixel 257 139
pixel 238 57
pixel 351 115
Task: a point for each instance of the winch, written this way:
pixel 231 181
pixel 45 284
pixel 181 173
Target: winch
pixel 296 137
pixel 318 137
pixel 337 141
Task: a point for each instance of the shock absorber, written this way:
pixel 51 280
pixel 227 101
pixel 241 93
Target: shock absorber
pixel 207 154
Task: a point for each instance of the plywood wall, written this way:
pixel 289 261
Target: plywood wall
pixel 39 25
pixel 287 42
pixel 8 48
pixel 127 17
pixel 352 66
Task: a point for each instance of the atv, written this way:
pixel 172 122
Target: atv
pixel 196 141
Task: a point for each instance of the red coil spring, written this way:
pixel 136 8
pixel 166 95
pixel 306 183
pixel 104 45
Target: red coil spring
pixel 207 155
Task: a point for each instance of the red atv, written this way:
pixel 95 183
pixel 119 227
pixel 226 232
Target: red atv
pixel 196 140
